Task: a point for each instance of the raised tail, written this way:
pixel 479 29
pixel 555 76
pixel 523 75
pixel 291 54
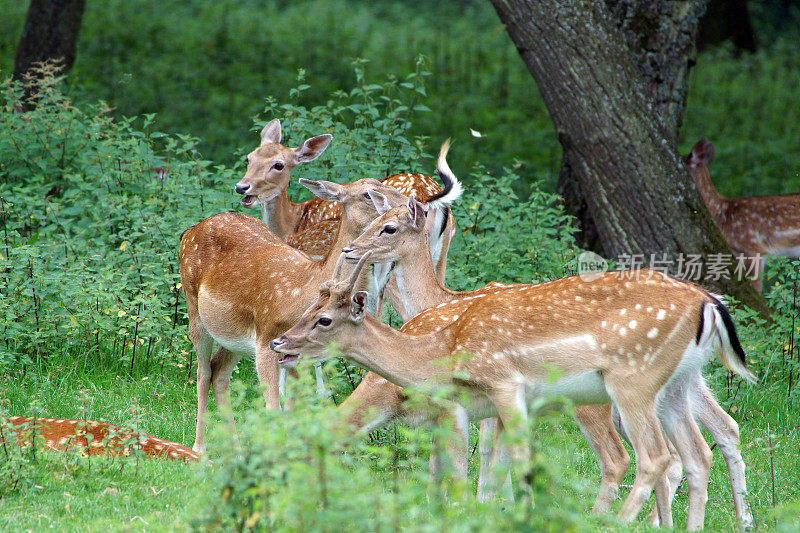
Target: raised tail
pixel 716 325
pixel 452 187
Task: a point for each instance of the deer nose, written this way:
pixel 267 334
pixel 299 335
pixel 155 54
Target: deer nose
pixel 241 189
pixel 276 342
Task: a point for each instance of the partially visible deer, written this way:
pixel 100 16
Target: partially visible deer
pixel 637 343
pixel 96 438
pixel 312 226
pixel 753 225
pixel 399 237
pixel 244 285
pixel 267 178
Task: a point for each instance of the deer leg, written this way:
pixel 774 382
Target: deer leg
pixel 320 382
pixel 725 432
pixel 513 410
pixel 695 455
pixel 456 447
pixel 596 425
pixel 222 365
pixel 203 344
pixel 494 461
pixel 636 406
pixel 268 375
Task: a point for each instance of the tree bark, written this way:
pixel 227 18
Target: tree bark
pixel 630 175
pixel 50 33
pixel 660 35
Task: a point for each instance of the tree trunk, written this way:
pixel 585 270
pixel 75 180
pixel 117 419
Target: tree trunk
pixel 660 35
pixel 630 175
pixel 50 33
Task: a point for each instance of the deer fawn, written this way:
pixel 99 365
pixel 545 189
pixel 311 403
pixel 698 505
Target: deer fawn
pixel 650 339
pixel 244 285
pixel 753 225
pixel 106 439
pixel 398 237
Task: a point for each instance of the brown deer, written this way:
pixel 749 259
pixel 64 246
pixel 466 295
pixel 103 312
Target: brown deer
pixel 635 342
pixel 244 285
pixel 311 226
pixel 754 226
pixel 95 438
pixel 398 237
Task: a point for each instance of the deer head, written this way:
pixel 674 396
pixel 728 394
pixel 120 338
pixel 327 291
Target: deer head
pixel 269 166
pixel 335 315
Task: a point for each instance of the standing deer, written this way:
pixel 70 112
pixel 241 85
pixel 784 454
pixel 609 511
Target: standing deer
pixel 636 343
pixel 312 226
pixel 398 237
pixel 244 285
pixel 96 438
pixel 754 225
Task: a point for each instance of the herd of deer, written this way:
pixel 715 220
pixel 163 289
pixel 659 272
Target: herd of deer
pixel 627 350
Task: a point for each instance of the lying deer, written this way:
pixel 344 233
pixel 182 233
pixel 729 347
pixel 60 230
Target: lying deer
pixel 754 225
pixel 399 237
pixel 244 285
pixel 96 438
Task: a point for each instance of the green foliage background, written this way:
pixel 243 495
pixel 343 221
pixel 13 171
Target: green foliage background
pixel 92 324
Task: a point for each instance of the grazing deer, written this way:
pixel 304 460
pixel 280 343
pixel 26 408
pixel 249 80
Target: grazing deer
pixel 754 225
pixel 244 285
pixel 398 237
pixel 266 182
pixel 96 438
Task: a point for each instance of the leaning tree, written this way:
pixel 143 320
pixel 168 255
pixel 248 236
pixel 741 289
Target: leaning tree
pixel 613 77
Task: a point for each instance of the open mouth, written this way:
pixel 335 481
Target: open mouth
pixel 249 200
pixel 288 358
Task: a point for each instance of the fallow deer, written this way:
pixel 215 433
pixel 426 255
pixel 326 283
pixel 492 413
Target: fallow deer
pixel 635 342
pixel 244 285
pixel 307 226
pixel 95 438
pixel 754 226
pixel 398 237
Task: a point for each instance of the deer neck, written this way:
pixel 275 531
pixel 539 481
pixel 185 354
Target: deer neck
pixel 715 202
pixel 406 360
pixel 417 284
pixel 280 214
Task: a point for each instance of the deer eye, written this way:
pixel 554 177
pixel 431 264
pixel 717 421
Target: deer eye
pixel 366 195
pixel 278 165
pixel 389 229
pixel 324 321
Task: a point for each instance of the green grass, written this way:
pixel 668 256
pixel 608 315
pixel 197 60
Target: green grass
pixel 75 493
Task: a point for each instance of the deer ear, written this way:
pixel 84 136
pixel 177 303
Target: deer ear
pixel 312 148
pixel 702 153
pixel 271 132
pixel 380 201
pixel 416 213
pixel 357 304
pixel 327 190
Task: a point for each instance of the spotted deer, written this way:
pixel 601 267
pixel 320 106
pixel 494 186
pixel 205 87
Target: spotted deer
pixel 244 285
pixel 311 226
pixel 94 438
pixel 398 237
pixel 754 226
